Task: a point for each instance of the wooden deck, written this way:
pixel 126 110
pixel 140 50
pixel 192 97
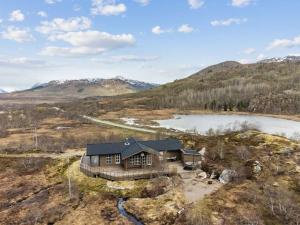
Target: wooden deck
pixel 119 175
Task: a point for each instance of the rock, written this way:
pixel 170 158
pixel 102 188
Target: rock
pixel 202 151
pixel 227 176
pixel 213 175
pixel 257 167
pixel 209 182
pixel 202 175
pixel 254 167
pixel 275 184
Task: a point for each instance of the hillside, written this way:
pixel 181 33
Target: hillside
pixel 57 91
pixel 269 86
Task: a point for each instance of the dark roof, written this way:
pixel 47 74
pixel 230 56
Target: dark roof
pixel 136 148
pixel 132 147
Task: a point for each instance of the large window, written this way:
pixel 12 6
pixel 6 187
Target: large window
pixel 135 160
pixel 143 159
pixel 118 158
pixel 108 159
pixel 149 160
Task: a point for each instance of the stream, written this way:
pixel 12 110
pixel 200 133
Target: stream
pixel 124 213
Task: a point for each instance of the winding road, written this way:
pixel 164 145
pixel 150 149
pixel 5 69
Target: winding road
pixel 119 125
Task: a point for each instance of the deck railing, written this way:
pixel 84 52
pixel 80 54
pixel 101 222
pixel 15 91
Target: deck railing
pixel 125 175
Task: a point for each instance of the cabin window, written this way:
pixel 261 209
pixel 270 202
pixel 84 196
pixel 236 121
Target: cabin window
pixel 135 160
pixel 149 160
pixel 143 159
pixel 118 158
pixel 108 159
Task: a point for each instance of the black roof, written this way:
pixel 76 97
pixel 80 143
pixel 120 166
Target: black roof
pixel 131 147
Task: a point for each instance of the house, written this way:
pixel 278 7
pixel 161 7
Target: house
pixel 134 154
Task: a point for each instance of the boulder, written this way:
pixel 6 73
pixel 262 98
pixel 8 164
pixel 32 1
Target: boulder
pixel 227 176
pixel 202 175
pixel 213 175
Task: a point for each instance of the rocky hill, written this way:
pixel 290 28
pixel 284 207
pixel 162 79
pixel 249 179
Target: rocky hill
pixel 269 86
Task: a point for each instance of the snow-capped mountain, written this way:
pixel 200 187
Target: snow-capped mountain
pixel 83 88
pixel 139 85
pixel 2 91
pixel 281 59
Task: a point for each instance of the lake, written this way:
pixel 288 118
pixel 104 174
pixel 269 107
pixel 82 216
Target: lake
pixel 202 123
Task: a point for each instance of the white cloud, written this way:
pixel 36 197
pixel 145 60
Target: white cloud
pixel 1 20
pixel 42 14
pixel 16 15
pixel 88 43
pixel 249 51
pixel 64 25
pixel 228 22
pixel 284 43
pixel 107 8
pixel 21 61
pixel 71 51
pixel 195 4
pixel 76 8
pixel 185 28
pixel 244 61
pixel 159 30
pixel 52 1
pixel 143 2
pixel 127 58
pixel 17 34
pixel 240 3
pixel 261 57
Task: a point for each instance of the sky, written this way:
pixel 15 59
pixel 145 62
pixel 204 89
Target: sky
pixel 156 41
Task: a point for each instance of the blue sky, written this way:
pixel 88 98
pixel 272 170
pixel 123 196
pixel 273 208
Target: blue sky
pixel 150 40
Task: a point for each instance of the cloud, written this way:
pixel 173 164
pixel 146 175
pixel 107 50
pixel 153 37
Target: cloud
pixel 185 28
pixel 42 14
pixel 228 22
pixel 71 51
pixel 143 2
pixel 88 43
pixel 107 8
pixel 240 3
pixel 127 58
pixel 244 61
pixel 284 43
pixel 158 30
pixel 64 25
pixel 21 62
pixel 261 57
pixel 195 4
pixel 76 8
pixel 17 34
pixel 16 15
pixel 249 51
pixel 50 2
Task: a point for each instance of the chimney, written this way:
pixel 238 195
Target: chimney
pixel 126 142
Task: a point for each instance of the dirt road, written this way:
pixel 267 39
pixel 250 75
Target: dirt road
pixel 119 125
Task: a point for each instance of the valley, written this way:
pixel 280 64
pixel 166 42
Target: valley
pixel 61 140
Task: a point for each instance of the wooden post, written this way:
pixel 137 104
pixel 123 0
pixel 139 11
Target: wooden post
pixel 69 178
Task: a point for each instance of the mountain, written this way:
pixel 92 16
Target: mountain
pixel 77 89
pixel 2 91
pixel 281 59
pixel 269 86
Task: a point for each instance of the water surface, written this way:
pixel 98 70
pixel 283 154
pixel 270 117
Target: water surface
pixel 202 123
